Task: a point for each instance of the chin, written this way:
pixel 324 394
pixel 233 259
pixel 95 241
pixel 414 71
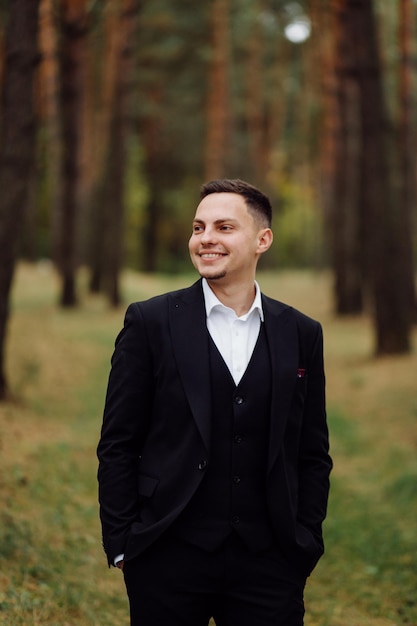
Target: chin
pixel 214 276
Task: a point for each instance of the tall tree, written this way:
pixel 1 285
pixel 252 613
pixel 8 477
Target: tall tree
pixel 344 216
pixel 73 55
pixel 49 85
pixel 218 96
pixel 407 140
pixel 17 147
pixel 328 127
pixel 255 101
pixel 114 204
pixel 100 113
pixel 383 230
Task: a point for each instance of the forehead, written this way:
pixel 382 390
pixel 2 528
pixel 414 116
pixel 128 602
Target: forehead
pixel 220 206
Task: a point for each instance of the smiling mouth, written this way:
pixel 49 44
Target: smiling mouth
pixel 211 255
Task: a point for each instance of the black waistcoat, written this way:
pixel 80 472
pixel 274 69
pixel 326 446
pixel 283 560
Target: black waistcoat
pixel 232 497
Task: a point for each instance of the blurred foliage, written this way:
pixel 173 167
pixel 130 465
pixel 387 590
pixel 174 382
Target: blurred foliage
pixel 173 50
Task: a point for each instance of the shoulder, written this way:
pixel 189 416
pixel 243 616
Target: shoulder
pixel 277 308
pixel 160 304
pixel 292 323
pixel 289 320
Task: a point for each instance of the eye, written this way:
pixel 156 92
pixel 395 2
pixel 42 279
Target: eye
pixel 197 228
pixel 225 227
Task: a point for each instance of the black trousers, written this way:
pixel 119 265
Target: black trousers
pixel 174 583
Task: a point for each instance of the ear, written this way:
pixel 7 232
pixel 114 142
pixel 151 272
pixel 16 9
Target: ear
pixel 265 239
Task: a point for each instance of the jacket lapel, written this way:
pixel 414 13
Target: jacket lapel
pixel 281 330
pixel 190 341
pixel 191 348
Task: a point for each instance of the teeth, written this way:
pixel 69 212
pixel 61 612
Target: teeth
pixel 210 256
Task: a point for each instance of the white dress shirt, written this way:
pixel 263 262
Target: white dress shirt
pixel 235 337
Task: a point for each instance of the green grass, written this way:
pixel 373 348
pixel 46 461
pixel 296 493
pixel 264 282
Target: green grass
pixel 52 568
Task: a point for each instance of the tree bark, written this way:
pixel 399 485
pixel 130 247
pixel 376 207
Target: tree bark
pixel 117 156
pixel 73 56
pixel 329 119
pixel 100 112
pixel 17 148
pixel 345 223
pixel 218 97
pixel 407 140
pixel 383 232
pixel 49 83
pixel 255 102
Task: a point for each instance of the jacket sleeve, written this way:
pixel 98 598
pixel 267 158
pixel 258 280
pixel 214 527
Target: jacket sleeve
pixel 125 423
pixel 314 463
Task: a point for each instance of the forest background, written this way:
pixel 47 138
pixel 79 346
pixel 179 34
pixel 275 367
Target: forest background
pixel 112 115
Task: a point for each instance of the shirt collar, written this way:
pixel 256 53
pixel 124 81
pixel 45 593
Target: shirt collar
pixel 211 301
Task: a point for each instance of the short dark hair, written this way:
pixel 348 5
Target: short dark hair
pixel 257 202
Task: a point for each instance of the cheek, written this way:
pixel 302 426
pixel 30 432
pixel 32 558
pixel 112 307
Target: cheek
pixel 192 248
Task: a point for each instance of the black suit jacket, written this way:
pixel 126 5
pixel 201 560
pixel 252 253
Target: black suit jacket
pixel 155 442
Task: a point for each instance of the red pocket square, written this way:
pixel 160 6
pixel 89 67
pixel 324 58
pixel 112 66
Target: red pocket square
pixel 301 372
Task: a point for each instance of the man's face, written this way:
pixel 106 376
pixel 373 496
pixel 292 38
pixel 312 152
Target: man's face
pixel 226 241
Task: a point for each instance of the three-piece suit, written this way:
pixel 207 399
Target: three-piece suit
pixel 185 452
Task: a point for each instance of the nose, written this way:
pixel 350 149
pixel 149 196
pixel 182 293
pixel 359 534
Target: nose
pixel 208 236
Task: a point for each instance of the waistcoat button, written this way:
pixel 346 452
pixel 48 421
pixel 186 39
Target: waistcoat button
pixel 202 465
pixel 239 400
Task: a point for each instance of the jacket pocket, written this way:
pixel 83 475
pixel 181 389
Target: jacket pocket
pixel 309 548
pixel 147 485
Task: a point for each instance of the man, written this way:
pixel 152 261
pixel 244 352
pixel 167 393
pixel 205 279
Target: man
pixel 214 465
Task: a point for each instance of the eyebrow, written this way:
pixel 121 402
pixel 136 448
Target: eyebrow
pixel 219 221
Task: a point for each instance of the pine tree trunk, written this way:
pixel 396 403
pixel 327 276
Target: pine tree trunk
pixel 329 118
pixel 17 148
pixel 255 109
pixel 99 115
pixel 49 85
pixel 218 115
pixel 383 233
pixel 117 162
pixel 73 56
pixel 344 211
pixel 408 193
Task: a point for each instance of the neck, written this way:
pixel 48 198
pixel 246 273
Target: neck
pixel 237 297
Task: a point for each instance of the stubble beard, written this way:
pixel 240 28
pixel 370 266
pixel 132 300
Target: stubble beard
pixel 209 273
pixel 209 277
